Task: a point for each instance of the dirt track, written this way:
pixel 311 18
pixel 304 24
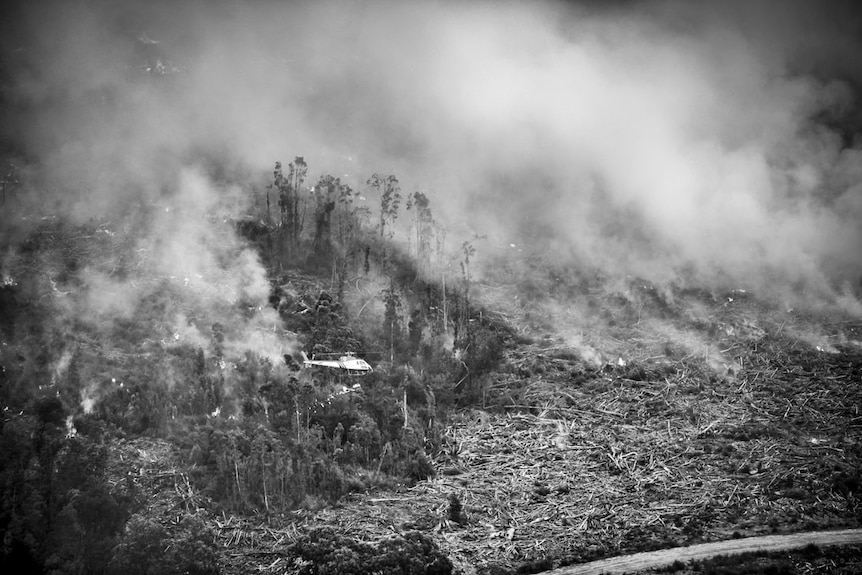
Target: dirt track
pixel 648 560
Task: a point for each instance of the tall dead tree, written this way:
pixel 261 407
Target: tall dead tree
pixel 326 193
pixel 463 323
pixel 390 198
pixel 423 224
pixel 289 190
pixel 392 318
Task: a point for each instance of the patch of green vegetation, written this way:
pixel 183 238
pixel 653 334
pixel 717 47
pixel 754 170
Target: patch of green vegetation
pixel 326 552
pixel 149 548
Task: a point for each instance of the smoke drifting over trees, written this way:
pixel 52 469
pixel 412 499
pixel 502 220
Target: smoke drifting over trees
pixel 630 211
pixel 671 140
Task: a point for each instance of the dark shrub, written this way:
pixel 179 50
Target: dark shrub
pixel 325 552
pixel 148 548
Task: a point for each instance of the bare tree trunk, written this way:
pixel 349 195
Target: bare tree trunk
pixel 268 215
pixel 263 477
pixel 236 476
pixel 445 311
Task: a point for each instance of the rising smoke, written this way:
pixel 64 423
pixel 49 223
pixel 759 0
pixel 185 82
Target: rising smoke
pixel 675 141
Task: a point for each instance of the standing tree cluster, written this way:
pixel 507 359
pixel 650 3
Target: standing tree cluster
pixel 290 222
pixel 423 224
pixel 392 332
pixel 390 198
pixel 344 230
pixel 327 192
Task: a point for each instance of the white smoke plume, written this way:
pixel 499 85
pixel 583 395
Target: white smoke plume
pixel 680 142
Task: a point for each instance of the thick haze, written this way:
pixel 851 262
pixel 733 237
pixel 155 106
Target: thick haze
pixel 677 141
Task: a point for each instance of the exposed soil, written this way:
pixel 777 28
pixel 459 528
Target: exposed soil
pixel 767 543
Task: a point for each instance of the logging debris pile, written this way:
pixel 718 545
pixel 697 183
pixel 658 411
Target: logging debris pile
pixel 629 466
pixel 756 432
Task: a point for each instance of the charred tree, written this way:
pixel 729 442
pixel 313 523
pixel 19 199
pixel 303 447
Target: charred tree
pixel 325 194
pixel 392 319
pixel 289 186
pixel 390 199
pixel 423 226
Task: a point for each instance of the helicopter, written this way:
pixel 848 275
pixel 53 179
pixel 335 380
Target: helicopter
pixel 348 362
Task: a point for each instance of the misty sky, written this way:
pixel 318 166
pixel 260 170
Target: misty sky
pixel 696 141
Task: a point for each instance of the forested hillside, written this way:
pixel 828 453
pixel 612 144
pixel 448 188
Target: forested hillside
pixel 153 377
pixel 424 287
pixel 117 330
